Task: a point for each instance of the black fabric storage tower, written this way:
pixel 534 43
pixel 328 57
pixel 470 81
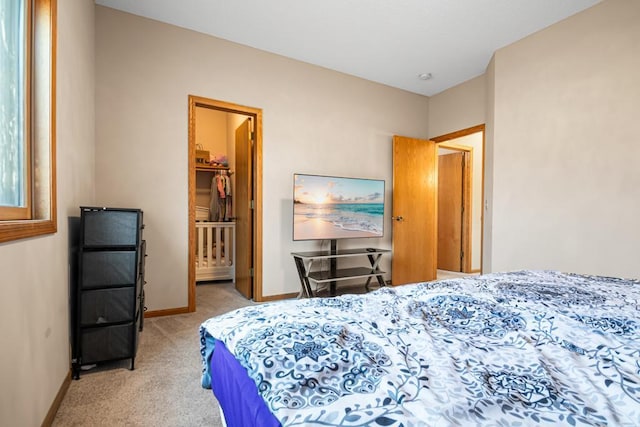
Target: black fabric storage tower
pixel 109 295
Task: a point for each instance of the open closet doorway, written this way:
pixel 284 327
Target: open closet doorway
pixel 460 196
pixel 225 196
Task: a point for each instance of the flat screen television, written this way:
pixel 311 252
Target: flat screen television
pixel 332 207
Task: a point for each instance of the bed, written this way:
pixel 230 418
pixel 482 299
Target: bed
pixel 518 348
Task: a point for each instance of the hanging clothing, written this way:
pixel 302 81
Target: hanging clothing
pixel 220 205
pixel 213 202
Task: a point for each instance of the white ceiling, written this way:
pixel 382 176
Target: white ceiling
pixel 385 41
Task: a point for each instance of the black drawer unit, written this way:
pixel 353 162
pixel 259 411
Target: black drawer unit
pixel 108 343
pixel 117 228
pixel 108 304
pixel 108 268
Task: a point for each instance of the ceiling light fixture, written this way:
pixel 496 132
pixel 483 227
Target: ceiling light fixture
pixel 425 76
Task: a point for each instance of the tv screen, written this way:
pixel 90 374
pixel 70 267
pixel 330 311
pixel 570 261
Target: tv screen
pixel 331 207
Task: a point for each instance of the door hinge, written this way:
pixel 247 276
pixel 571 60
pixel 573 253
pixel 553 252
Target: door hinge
pixel 251 272
pixel 461 254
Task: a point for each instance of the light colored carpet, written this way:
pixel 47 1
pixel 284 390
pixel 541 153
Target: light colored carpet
pixel 164 388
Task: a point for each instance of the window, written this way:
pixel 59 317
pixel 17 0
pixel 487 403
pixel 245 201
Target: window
pixel 27 118
pixel 14 151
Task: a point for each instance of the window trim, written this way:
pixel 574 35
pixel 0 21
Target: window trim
pixel 41 106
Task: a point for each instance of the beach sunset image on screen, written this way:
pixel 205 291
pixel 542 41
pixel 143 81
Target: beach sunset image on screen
pixel 328 207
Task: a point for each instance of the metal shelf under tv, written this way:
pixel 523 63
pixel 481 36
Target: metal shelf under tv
pixel 305 260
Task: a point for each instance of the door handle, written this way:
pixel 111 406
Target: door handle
pixel 397 218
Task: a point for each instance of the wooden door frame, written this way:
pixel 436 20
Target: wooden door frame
pixel 442 141
pixel 256 113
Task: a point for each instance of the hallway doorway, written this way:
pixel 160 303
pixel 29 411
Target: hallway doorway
pixel 471 142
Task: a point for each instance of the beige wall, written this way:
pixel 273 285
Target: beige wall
pixel 565 146
pixel 457 108
pixel 315 121
pixel 35 359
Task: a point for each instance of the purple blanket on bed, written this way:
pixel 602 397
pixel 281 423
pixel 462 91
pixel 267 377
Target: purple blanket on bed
pixel 236 392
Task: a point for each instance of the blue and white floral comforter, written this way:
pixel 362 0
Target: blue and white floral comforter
pixel 519 348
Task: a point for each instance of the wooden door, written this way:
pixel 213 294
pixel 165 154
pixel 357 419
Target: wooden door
pixel 243 209
pixel 450 202
pixel 414 210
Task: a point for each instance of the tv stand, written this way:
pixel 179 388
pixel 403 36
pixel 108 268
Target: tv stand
pixel 304 262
